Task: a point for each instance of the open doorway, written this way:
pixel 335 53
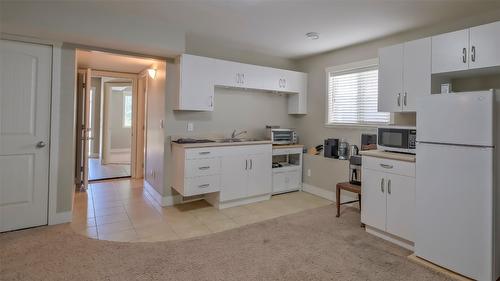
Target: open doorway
pixel 110 117
pixel 110 135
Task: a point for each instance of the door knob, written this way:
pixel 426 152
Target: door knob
pixel 41 144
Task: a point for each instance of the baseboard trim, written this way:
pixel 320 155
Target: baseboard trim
pixel 59 218
pixel 245 201
pixel 163 201
pixel 391 238
pixel 327 194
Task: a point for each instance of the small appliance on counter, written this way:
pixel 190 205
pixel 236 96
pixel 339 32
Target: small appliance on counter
pixel 368 142
pixel 397 139
pixel 331 148
pixel 355 169
pixel 343 150
pixel 281 136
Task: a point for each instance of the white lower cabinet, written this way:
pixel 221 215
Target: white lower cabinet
pixel 388 196
pixel 231 172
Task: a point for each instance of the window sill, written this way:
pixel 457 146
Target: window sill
pixel 355 126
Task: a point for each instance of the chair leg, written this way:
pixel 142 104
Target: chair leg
pixel 338 201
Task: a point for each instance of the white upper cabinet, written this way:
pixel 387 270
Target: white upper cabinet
pixel 199 76
pixel 237 75
pixel 390 78
pixel 404 75
pixel 416 72
pixel 196 88
pixel 485 46
pixel 450 51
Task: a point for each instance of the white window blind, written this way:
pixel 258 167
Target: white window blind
pixel 353 97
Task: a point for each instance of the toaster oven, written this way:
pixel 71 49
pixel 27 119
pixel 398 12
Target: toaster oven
pixel 282 136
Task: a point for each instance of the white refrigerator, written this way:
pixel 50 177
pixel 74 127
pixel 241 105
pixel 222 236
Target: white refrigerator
pixel 456 194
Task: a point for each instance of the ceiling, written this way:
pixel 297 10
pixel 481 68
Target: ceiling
pixel 112 62
pixel 278 27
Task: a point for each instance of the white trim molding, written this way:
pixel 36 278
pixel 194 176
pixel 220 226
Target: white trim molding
pixel 163 201
pixel 327 194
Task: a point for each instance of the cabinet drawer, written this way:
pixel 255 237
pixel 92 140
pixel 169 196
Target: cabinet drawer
pixel 201 185
pixel 389 166
pixel 202 167
pixel 201 153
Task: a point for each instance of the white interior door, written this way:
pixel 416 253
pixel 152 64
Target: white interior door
pixel 87 126
pixel 25 93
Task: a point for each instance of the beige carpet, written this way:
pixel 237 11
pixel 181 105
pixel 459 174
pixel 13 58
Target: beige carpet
pixel 311 245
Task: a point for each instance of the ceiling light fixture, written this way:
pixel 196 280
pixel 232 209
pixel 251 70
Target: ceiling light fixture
pixel 312 35
pixel 152 73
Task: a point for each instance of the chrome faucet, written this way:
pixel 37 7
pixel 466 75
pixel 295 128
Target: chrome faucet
pixel 234 134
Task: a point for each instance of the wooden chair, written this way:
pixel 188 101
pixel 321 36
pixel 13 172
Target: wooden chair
pixel 349 187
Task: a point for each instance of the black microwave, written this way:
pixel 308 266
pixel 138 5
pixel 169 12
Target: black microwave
pixel 397 139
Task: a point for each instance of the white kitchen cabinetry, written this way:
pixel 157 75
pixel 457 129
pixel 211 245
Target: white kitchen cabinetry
pixel 233 173
pixel 388 196
pixel 195 88
pixel 390 75
pixel 404 75
pixel 473 48
pixel 199 76
pixel 485 46
pixel 288 177
pixel 450 51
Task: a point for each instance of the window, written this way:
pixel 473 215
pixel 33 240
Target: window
pixel 353 96
pixel 127 110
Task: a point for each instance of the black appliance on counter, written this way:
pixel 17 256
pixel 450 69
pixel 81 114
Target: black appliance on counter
pixel 355 169
pixel 331 148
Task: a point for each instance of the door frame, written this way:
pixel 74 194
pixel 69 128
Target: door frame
pixel 54 217
pixel 137 145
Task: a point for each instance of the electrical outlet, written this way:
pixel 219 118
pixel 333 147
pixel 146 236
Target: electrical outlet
pixel 190 127
pixel 308 172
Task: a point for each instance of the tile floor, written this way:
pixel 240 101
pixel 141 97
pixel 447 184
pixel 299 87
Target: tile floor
pixel 122 210
pixel 97 171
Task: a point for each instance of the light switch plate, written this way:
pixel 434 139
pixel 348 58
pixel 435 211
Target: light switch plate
pixel 190 127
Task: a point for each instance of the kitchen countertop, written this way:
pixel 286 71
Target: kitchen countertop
pixel 219 144
pixel 389 155
pixel 283 146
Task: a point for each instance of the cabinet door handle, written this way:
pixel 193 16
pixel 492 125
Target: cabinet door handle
pixel 204 152
pixel 389 186
pixel 464 55
pixel 204 185
pixel 204 168
pixel 405 98
pixel 386 166
pixel 251 164
pixel 284 83
pixel 473 54
pixel 246 164
pixel 211 101
pixel 382 185
pixel 399 99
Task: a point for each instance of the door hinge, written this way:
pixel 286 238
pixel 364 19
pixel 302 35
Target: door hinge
pixel 84 84
pixel 81 169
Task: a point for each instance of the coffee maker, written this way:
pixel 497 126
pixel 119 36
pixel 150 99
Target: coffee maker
pixel 355 169
pixel 331 148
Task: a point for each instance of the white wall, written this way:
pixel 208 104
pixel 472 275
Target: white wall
pixel 155 141
pixel 91 23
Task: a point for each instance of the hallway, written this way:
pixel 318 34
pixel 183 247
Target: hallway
pixel 97 171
